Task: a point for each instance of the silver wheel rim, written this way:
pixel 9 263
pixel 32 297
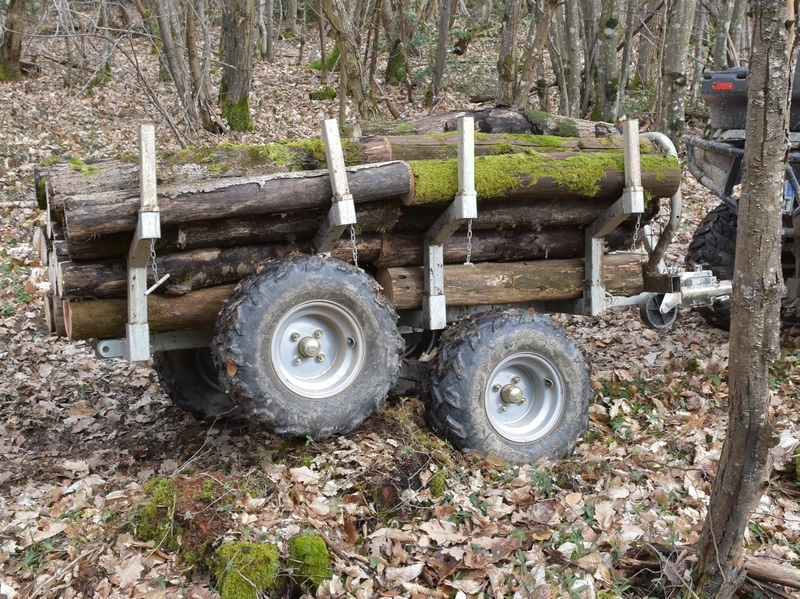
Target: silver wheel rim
pixel 318 349
pixel 524 397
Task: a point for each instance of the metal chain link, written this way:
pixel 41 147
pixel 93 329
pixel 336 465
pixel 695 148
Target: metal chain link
pixel 636 232
pixel 355 247
pixel 153 259
pixel 468 261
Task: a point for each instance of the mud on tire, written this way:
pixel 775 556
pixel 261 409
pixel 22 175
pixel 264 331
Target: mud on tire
pixel 190 380
pixel 308 347
pixel 509 384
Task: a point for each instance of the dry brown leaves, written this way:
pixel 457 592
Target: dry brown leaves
pixel 80 436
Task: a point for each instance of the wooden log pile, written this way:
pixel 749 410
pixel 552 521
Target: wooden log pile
pixel 224 211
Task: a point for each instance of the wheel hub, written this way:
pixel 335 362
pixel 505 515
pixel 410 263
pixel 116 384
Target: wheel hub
pixel 512 394
pixel 524 397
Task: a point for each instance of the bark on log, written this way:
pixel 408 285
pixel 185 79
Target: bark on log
pixel 102 213
pixel 505 119
pixel 197 269
pixel 56 182
pixel 520 178
pixel 519 282
pixel 291 227
pixel 489 283
pixel 104 319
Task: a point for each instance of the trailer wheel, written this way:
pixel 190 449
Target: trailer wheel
pixel 308 347
pixel 190 380
pixel 713 246
pixel 651 315
pixel 509 384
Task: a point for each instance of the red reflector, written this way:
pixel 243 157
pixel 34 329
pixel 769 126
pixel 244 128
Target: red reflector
pixel 722 86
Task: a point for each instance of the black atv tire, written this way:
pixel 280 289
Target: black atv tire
pixel 510 384
pixel 308 347
pixel 713 247
pixel 190 380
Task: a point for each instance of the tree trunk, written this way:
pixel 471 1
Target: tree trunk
pixel 507 60
pixel 537 37
pixel 672 117
pixel 347 38
pixel 237 58
pixel 755 306
pixel 441 52
pixel 11 41
pixel 607 65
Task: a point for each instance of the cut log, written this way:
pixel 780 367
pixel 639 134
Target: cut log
pixel 519 177
pixel 197 269
pixel 490 283
pixel 56 182
pixel 500 119
pixel 518 282
pixel 103 213
pixel 292 227
pixel 105 319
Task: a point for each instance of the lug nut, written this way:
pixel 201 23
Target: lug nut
pixel 320 357
pixel 318 334
pixel 295 336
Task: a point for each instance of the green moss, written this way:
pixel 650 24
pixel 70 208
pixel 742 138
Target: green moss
pixel 246 569
pixel 155 521
pixel 79 165
pixel 326 92
pixel 567 128
pixel 50 161
pixel 438 484
pixel 498 176
pixel 537 118
pixel 309 560
pixel 236 113
pixel 331 61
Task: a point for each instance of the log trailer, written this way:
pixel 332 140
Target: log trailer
pixel 716 162
pixel 310 343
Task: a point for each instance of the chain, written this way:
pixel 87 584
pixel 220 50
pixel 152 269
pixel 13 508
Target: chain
pixel 636 232
pixel 468 261
pixel 153 259
pixel 355 247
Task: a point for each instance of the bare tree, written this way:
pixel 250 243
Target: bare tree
pixel 342 20
pixel 672 92
pixel 507 61
pixel 755 304
pixel 607 64
pixel 441 51
pixel 11 41
pixel 236 50
pixel 537 37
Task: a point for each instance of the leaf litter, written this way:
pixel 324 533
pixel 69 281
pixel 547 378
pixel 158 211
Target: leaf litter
pixel 402 513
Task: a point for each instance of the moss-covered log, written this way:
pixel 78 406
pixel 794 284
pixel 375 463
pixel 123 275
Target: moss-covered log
pixel 524 178
pixel 58 181
pixel 103 213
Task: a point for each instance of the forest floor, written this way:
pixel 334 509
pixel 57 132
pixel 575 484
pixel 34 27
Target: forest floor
pixel 403 514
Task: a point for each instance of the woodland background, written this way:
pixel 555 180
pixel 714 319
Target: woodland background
pixel 403 514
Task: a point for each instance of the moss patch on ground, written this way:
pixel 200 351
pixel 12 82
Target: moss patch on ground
pixel 309 560
pixel 246 569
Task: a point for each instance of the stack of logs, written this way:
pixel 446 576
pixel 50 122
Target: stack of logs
pixel 224 211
